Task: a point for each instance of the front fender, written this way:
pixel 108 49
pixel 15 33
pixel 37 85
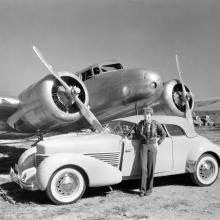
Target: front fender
pixel 27 159
pixel 98 172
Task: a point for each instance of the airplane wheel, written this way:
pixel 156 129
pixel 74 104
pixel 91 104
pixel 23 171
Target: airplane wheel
pixel 207 170
pixel 66 185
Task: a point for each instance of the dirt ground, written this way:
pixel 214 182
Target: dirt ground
pixel 174 197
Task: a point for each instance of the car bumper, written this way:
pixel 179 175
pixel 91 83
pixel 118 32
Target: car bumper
pixel 26 180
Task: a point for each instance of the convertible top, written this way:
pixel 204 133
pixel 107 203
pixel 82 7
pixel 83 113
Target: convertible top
pixel 164 119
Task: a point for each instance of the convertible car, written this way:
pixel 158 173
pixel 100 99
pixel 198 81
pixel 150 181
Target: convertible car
pixel 65 165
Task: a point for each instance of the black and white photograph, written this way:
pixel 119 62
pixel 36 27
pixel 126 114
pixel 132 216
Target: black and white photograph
pixel 110 109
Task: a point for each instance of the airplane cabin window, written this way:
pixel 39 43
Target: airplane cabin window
pixel 175 130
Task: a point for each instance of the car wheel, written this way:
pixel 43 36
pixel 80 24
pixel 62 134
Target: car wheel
pixel 66 185
pixel 206 170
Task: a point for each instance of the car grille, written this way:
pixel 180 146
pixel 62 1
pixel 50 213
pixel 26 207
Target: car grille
pixel 39 159
pixel 112 158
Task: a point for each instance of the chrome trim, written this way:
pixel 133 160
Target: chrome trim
pixel 112 158
pixel 207 170
pixel 17 179
pixel 39 158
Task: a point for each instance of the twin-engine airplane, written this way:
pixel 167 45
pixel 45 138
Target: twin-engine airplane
pixel 63 101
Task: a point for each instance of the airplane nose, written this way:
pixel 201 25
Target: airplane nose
pixel 142 85
pixel 152 80
pixel 152 76
pixel 153 85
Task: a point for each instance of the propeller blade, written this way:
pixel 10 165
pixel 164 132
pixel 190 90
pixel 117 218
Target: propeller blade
pixel 72 93
pixel 89 115
pixel 188 110
pixel 180 75
pixel 51 69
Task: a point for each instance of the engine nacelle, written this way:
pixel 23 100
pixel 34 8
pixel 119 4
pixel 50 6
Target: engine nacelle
pixel 45 105
pixel 171 102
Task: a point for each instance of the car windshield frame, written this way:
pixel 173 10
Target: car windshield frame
pixel 119 127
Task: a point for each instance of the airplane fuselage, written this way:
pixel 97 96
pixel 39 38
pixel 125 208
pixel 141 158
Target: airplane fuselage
pixel 120 91
pixel 44 106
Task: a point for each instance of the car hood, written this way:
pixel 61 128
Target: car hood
pixel 80 143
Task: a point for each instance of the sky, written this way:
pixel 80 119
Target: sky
pixel 73 34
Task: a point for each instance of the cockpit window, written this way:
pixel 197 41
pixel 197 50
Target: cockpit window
pixel 96 70
pixel 86 75
pixel 111 67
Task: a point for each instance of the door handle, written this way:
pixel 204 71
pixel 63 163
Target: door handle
pixel 128 150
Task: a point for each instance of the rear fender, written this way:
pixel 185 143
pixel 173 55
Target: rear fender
pixel 98 172
pixel 195 153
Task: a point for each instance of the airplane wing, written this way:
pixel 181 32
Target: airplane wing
pixel 8 106
pixel 207 102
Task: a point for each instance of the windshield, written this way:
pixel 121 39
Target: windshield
pixel 120 127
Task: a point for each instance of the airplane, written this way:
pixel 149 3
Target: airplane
pixel 210 107
pixel 63 101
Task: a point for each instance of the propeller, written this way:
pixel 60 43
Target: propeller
pixel 185 94
pixel 72 93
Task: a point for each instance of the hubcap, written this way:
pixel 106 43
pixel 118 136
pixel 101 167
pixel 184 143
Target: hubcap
pixel 206 170
pixel 67 184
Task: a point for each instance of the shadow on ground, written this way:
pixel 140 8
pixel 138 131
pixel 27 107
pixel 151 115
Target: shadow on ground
pixel 9 156
pixel 179 180
pixel 14 194
pixel 18 195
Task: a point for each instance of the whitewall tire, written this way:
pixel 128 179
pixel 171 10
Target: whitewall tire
pixel 207 170
pixel 66 185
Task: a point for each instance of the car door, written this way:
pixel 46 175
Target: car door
pixel 181 147
pixel 164 161
pixel 131 166
pixel 131 158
